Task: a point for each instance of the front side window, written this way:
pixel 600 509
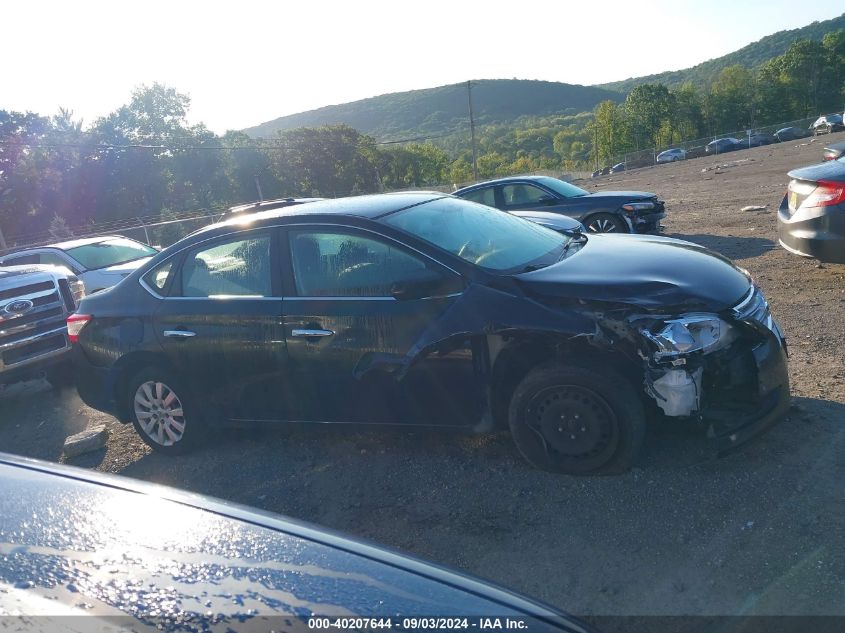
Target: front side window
pixel 234 268
pixel 110 252
pixel 345 264
pixel 495 240
pixel 482 196
pixel 520 195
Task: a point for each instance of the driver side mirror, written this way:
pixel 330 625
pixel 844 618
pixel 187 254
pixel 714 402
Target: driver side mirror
pixel 547 200
pixel 418 285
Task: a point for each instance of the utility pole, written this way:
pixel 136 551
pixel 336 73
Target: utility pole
pixel 472 132
pixel 258 187
pixel 2 240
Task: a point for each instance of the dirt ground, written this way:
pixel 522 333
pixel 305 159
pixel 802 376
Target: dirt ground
pixel 757 532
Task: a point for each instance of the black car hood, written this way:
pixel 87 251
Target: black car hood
pixel 628 196
pixel 830 170
pixel 646 271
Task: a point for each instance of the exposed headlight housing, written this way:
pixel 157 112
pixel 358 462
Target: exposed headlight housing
pixel 695 332
pixel 637 206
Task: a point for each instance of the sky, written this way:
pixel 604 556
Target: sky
pixel 246 62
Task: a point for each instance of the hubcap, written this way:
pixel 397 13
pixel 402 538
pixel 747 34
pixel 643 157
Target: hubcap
pixel 159 413
pixel 573 421
pixel 602 225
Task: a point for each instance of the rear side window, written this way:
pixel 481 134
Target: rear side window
pixel 157 277
pixel 21 260
pixel 236 267
pixel 482 196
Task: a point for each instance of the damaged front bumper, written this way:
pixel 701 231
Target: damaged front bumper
pixel 731 426
pixel 740 389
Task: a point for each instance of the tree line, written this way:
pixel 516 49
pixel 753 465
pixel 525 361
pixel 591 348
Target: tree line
pixel 144 159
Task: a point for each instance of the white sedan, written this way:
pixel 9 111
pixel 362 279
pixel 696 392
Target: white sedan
pixel 100 262
pixel 671 155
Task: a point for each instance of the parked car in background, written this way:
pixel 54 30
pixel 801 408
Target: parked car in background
pixel 722 145
pixel 759 139
pixel 827 124
pixel 791 134
pixel 267 205
pixel 100 262
pixel 600 212
pixel 78 543
pixel 811 217
pixel 618 167
pixel 422 309
pixel 596 173
pixel 834 151
pixel 671 155
pixel 35 302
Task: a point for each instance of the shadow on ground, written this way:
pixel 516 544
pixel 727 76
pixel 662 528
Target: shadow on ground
pixel 730 245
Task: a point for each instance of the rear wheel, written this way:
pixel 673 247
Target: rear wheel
pixel 606 223
pixel 575 420
pixel 162 411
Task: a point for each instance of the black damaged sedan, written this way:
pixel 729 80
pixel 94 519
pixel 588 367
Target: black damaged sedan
pixel 425 310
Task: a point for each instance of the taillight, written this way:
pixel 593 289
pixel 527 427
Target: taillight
pixel 75 323
pixel 826 194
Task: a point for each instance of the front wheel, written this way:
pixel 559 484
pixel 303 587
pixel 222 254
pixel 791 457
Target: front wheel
pixel 575 420
pixel 606 223
pixel 162 412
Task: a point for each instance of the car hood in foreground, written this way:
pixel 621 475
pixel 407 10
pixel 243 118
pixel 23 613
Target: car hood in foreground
pixel 830 170
pixel 69 537
pixel 647 271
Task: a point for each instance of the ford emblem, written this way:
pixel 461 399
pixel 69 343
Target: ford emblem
pixel 18 307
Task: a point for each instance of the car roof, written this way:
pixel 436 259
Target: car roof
pixel 266 205
pixel 370 206
pixel 504 181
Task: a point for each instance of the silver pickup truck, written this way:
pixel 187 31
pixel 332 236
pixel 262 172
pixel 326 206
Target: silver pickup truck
pixel 35 302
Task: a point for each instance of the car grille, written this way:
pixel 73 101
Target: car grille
pixel 37 333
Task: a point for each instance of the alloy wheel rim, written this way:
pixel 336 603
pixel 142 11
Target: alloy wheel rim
pixel 601 225
pixel 159 412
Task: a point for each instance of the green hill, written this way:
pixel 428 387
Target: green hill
pixel 439 111
pixel 750 56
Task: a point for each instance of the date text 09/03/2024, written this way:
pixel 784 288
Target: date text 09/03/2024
pixel 416 623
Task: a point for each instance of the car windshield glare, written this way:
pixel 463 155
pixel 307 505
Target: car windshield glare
pixel 109 252
pixel 492 239
pixel 562 188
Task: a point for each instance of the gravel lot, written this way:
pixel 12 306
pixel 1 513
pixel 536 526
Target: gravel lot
pixel 757 532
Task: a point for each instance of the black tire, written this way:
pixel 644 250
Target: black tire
pixel 161 429
pixel 577 420
pixel 606 223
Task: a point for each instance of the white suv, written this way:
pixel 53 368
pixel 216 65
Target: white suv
pixel 100 262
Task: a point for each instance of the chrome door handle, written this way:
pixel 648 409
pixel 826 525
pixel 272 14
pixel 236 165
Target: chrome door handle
pixel 179 334
pixel 311 333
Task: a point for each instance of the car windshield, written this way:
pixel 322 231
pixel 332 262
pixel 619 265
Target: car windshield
pixel 481 235
pixel 565 189
pixel 110 252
